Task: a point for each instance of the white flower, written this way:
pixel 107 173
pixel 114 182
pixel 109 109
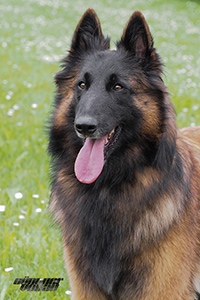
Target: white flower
pixel 2 208
pixel 16 224
pixel 18 195
pixel 8 269
pixel 34 105
pixel 68 293
pixel 35 196
pixel 21 217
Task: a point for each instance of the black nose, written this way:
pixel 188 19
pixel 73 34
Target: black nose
pixel 86 126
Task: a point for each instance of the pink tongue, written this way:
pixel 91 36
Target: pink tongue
pixel 90 160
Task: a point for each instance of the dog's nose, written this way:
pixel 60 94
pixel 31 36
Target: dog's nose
pixel 86 126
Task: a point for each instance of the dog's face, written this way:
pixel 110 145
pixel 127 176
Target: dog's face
pixel 103 95
pixel 111 100
pixel 104 99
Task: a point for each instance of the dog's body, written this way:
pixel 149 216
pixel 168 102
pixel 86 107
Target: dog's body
pixel 130 216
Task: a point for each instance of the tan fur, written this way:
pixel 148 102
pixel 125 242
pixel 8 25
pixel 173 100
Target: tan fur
pixel 150 113
pixel 60 113
pixel 81 292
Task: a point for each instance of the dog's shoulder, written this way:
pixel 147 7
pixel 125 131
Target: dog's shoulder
pixel 191 136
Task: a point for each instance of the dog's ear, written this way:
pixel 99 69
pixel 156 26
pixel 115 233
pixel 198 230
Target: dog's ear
pixel 136 37
pixel 88 32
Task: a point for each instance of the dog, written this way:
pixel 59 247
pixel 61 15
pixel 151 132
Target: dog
pixel 125 187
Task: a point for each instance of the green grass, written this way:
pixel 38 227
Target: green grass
pixel 35 34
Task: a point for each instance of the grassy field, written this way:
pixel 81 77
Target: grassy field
pixel 35 35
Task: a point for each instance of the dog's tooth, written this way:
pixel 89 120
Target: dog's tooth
pixel 109 137
pixel 110 134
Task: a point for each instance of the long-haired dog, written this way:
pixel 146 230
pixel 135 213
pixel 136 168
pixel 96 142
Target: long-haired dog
pixel 126 187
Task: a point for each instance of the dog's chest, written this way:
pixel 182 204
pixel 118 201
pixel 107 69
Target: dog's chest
pixel 98 238
pixel 102 230
pixel 100 244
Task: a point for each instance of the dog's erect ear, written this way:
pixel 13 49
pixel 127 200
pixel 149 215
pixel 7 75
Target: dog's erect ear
pixel 136 37
pixel 87 31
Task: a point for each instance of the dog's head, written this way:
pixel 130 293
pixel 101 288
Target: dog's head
pixel 111 102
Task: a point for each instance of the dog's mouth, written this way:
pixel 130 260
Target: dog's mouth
pixel 111 138
pixel 92 156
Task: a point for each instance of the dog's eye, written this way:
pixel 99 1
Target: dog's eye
pixel 82 85
pixel 118 87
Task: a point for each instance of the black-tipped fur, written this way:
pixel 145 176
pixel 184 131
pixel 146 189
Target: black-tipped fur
pixel 132 233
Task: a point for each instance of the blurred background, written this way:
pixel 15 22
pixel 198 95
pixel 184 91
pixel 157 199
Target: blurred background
pixel 35 36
